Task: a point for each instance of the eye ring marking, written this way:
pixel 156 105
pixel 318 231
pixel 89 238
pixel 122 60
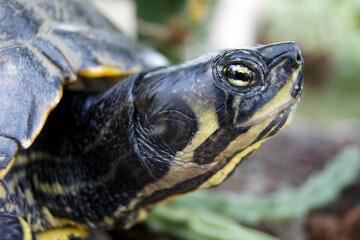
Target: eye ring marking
pixel 239 75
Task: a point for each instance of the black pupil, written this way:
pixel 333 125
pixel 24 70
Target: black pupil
pixel 233 72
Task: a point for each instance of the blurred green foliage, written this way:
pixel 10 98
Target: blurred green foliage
pixel 173 27
pixel 184 223
pixel 159 11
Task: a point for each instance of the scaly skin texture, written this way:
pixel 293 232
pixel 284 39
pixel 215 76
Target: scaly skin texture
pixel 13 227
pixel 103 158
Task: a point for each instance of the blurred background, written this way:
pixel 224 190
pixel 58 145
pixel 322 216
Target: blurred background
pixel 309 172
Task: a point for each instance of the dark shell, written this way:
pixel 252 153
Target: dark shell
pixel 43 46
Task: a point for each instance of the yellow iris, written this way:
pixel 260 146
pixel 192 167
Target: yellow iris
pixel 239 75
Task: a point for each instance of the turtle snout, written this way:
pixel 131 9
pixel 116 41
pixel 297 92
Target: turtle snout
pixel 297 55
pixel 294 55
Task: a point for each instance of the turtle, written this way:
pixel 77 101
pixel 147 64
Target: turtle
pixel 101 159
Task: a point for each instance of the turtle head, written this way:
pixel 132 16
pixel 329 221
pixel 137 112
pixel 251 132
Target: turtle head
pixel 196 121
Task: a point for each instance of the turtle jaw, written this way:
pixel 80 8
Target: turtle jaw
pixel 287 107
pixel 246 143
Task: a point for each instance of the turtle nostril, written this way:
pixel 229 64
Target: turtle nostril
pixel 298 57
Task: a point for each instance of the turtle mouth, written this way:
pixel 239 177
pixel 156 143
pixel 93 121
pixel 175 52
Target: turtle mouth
pixel 285 108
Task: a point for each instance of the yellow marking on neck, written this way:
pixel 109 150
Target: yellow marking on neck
pixel 207 125
pixel 240 142
pixel 16 197
pixel 54 188
pixel 35 156
pixel 59 189
pixel 220 176
pixel 62 234
pixel 14 182
pixel 183 167
pixel 29 197
pixel 4 171
pixel 108 221
pixel 56 222
pixel 118 212
pixel 20 160
pixel 107 71
pixel 2 192
pixel 26 230
pixel 141 215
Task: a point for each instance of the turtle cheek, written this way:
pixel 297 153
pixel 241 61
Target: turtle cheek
pixel 171 131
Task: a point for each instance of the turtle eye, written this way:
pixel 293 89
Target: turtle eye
pixel 239 75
